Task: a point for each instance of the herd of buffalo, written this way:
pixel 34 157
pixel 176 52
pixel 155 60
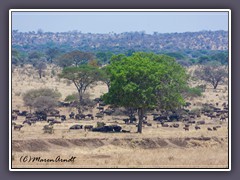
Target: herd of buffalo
pixel 170 119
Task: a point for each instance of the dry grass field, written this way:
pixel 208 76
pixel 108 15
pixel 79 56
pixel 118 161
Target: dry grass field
pixel 156 147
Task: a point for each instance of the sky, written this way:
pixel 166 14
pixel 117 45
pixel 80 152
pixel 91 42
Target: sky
pixel 118 22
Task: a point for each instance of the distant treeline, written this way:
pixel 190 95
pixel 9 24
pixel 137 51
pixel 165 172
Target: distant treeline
pixel 63 57
pixel 187 48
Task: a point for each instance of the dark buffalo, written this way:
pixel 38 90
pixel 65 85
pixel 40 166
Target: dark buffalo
pixel 76 126
pixel 54 122
pixel 14 117
pixel 18 127
pixel 63 118
pixel 88 127
pixel 186 128
pixel 71 115
pixel 197 127
pixel 27 122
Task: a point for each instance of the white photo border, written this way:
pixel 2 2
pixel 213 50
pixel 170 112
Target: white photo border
pixel 120 10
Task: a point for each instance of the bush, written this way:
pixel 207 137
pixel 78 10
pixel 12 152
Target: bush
pixel 100 124
pixel 193 92
pixel 41 99
pixel 71 97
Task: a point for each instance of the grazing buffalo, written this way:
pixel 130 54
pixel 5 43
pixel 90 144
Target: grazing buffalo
pixel 14 117
pixel 174 117
pixel 27 122
pixel 214 128
pixel 149 124
pixel 23 113
pixel 201 122
pixel 164 125
pixel 54 122
pixel 209 129
pixel 186 128
pixel 18 127
pixel 99 115
pixel 102 104
pixel 112 128
pixel 191 122
pixel 175 125
pixel 90 116
pixel 63 118
pixel 71 115
pixel 160 118
pixel 16 111
pixel 50 120
pixel 125 131
pixel 80 116
pixel 108 112
pixel 126 121
pixel 100 108
pixel 197 127
pixel 88 127
pixel 76 126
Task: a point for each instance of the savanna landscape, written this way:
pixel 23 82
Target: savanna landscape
pixel 155 147
pixel 120 100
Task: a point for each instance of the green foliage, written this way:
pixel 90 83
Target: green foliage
pixel 82 76
pixel 72 97
pixel 74 58
pixel 145 80
pixel 100 124
pixel 104 57
pixel 193 92
pixel 176 55
pixel 52 53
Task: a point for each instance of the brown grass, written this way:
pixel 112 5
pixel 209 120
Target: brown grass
pixel 156 147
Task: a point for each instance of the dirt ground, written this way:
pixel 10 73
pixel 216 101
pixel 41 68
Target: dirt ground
pixel 156 147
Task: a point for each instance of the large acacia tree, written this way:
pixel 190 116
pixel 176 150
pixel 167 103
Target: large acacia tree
pixel 145 80
pixel 82 76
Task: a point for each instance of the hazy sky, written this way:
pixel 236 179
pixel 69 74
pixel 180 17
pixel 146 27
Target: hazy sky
pixel 117 22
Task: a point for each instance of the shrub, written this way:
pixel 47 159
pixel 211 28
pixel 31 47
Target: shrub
pixel 193 92
pixel 41 99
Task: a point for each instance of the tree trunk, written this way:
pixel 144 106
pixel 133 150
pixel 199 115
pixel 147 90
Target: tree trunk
pixel 215 85
pixel 80 102
pixel 140 117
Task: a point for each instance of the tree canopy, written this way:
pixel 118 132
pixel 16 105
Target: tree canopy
pixel 74 58
pixel 145 80
pixel 82 76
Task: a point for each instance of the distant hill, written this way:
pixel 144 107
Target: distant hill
pixel 121 43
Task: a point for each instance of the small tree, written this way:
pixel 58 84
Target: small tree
pixel 212 74
pixel 83 77
pixel 52 53
pixel 41 99
pixel 41 66
pixel 75 58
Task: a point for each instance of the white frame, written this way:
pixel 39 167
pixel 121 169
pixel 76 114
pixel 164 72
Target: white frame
pixel 120 10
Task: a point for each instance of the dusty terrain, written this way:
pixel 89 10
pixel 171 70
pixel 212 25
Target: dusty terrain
pixel 156 147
